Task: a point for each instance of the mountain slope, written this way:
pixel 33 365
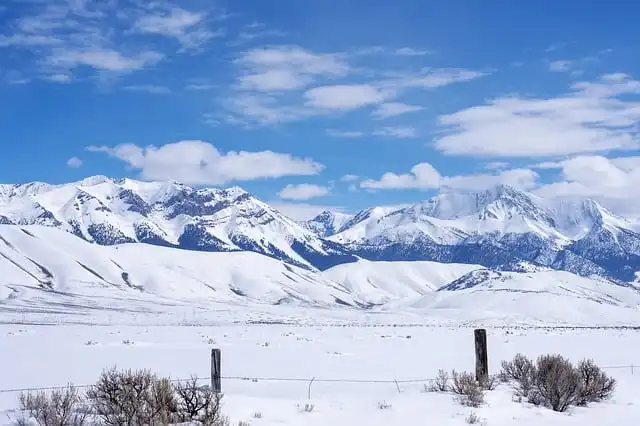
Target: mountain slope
pixel 380 282
pixel 39 262
pixel 106 211
pixel 545 296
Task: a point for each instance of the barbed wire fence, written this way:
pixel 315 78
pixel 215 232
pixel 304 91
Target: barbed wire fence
pixel 310 381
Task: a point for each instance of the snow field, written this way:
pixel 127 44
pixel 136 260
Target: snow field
pixel 40 356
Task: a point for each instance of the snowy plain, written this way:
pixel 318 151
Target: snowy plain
pixel 40 356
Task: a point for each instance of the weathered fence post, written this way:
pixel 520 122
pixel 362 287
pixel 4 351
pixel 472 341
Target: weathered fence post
pixel 216 382
pixel 482 361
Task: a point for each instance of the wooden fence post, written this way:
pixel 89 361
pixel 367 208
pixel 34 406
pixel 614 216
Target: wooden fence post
pixel 216 382
pixel 482 362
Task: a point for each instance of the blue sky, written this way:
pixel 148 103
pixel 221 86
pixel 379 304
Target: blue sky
pixel 328 103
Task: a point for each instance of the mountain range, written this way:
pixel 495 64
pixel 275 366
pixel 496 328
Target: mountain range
pixel 502 228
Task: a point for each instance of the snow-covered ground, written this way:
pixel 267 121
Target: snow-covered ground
pixel 40 356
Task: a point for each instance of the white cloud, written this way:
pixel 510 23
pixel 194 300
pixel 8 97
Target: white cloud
pixel 424 176
pixel 432 78
pixel 345 133
pixel 101 59
pixel 280 68
pixel 408 51
pixel 303 191
pixel 275 80
pixel 302 211
pixel 70 38
pixel 349 178
pixel 74 162
pixel 149 88
pixel 294 58
pixel 591 118
pixel 560 66
pixel 496 165
pixel 392 109
pixel 198 162
pixel 287 83
pixel 187 27
pixel 399 132
pixel 344 96
pixel 615 181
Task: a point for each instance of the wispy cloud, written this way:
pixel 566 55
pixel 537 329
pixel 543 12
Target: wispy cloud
pixel 149 88
pixel 398 132
pixel 73 38
pixel 189 28
pixel 409 51
pixel 345 133
pixel 560 66
pixel 393 109
pixel 349 178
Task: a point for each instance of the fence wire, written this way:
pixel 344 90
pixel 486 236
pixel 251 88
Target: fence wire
pixel 307 380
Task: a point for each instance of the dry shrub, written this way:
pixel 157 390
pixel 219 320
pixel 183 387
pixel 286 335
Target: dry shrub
pixel 522 370
pixel 440 383
pixel 468 390
pixel 142 398
pixel 62 407
pixel 553 381
pixel 199 404
pixel 557 383
pixel 596 385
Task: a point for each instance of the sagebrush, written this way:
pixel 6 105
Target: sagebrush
pixel 553 381
pixel 127 398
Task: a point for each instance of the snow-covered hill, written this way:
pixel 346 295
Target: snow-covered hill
pixel 380 282
pixel 39 265
pixel 44 270
pixel 108 211
pixel 545 296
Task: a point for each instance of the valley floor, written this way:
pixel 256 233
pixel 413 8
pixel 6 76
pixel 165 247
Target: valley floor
pixel 267 368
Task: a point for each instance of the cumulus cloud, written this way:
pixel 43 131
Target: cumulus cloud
pixel 198 162
pixel 74 162
pixel 593 117
pixel 424 176
pixel 303 191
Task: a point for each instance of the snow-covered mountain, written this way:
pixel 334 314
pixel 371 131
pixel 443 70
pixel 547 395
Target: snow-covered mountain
pixel 327 223
pixel 107 212
pixel 500 228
